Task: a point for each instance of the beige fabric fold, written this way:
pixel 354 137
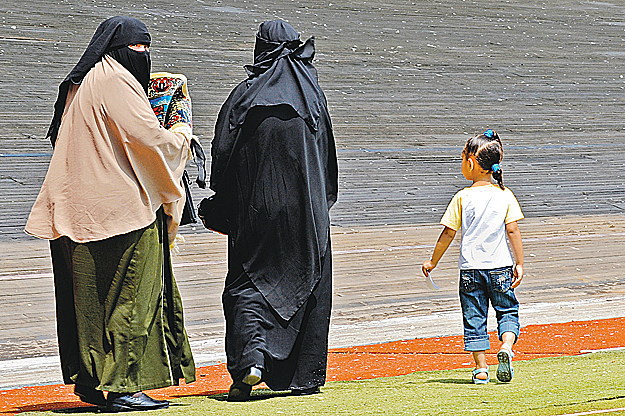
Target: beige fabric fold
pixel 113 164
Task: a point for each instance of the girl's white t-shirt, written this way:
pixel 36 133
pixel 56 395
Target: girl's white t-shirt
pixel 483 212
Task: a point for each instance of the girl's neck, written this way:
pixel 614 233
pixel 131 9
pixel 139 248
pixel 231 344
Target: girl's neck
pixel 481 183
pixel 482 179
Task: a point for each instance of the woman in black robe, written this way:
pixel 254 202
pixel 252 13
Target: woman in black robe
pixel 274 171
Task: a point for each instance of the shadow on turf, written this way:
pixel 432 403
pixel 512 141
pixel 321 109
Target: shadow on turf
pixel 222 396
pixel 62 407
pixel 460 381
pixel 451 381
pixel 91 409
pixel 83 409
pixel 259 394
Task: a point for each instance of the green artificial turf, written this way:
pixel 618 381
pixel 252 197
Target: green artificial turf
pixel 550 386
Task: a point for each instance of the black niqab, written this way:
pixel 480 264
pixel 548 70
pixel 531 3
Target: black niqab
pixel 282 73
pixel 274 160
pixel 112 34
pixel 137 63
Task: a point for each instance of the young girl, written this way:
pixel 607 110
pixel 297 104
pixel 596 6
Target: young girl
pixel 486 213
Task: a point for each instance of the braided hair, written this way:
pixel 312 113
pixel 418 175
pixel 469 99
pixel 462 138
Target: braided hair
pixel 488 152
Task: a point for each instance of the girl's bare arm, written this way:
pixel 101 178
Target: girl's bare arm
pixel 444 240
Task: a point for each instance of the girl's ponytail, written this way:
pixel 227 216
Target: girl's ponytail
pixel 498 175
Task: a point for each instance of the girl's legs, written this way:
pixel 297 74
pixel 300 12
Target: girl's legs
pixel 480 362
pixel 474 302
pixel 507 309
pixel 508 339
pixel 505 304
pixel 479 357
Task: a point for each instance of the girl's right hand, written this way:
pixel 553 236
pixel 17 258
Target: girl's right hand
pixel 427 267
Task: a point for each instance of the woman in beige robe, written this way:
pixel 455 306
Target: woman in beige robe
pixel 110 204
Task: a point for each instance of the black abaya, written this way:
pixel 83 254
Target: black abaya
pixel 277 300
pixel 292 354
pixel 281 178
pixel 274 165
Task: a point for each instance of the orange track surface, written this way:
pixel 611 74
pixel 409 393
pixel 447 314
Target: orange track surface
pixel 370 361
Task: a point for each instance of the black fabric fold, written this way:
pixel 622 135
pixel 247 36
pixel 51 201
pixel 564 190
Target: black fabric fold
pixel 282 73
pixel 199 158
pixel 278 175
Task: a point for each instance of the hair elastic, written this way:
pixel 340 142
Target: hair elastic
pixel 489 133
pixel 496 168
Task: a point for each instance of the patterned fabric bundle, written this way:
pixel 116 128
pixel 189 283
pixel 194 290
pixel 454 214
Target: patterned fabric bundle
pixel 171 103
pixel 170 99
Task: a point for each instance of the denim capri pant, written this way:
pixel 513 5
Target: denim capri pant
pixel 477 288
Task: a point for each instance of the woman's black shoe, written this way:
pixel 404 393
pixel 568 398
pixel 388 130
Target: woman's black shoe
pixel 123 402
pixel 89 395
pixel 239 392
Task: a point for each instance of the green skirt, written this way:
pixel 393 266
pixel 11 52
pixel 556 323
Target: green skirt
pixel 119 313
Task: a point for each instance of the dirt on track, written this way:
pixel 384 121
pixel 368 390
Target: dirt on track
pixel 370 361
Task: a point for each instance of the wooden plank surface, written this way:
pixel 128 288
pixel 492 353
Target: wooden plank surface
pixel 573 272
pixel 407 83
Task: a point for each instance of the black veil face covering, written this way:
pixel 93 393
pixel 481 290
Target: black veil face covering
pixel 137 63
pixel 112 34
pixel 271 36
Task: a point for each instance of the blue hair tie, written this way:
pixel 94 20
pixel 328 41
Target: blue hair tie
pixel 489 133
pixel 496 168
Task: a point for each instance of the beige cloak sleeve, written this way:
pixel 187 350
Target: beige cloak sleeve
pixel 113 165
